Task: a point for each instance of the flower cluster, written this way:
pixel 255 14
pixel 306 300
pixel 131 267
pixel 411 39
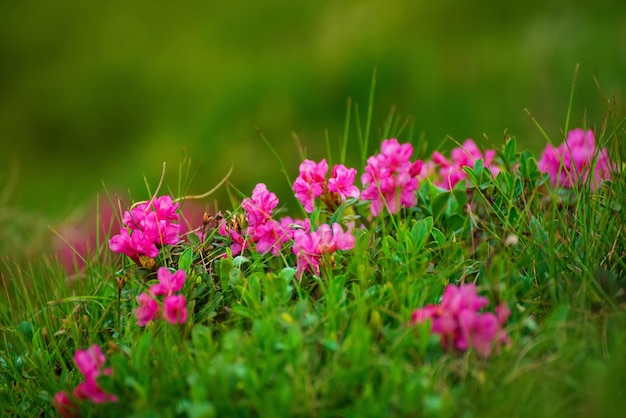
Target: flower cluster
pixel 311 246
pixel 174 306
pixel 447 173
pixel 391 179
pixel 262 230
pixel 90 363
pixel 146 226
pixel 572 161
pixel 311 183
pixel 459 323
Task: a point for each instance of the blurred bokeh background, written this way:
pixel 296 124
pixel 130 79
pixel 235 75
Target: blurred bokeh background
pixel 94 92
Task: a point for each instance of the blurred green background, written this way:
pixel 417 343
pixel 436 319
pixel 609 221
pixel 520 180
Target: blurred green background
pixel 94 92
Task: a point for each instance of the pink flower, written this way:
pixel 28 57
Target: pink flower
pixel 145 226
pixel 148 309
pixel 175 309
pixel 391 179
pixel 310 184
pixel 292 227
pixel 310 247
pixel 447 173
pixel 260 206
pixel 89 389
pixel 64 406
pixel 168 282
pixel 460 324
pixel 270 236
pixel 90 363
pixel 238 242
pixel 571 162
pixel 342 182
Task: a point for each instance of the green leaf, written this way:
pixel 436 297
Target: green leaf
pixel 419 233
pixel 510 149
pixel 186 259
pixel 439 204
pixel 479 170
pixel 193 239
pixel 439 237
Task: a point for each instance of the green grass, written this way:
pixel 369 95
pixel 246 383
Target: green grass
pixel 262 342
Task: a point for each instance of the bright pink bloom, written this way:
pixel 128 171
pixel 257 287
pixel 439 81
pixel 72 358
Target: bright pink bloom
pixel 175 309
pixel 447 173
pixel 260 206
pixel 311 246
pixel 90 363
pixel 310 184
pixel 572 161
pixel 237 242
pixel 147 225
pixel 89 389
pixel 292 227
pixel 270 236
pixel 460 324
pixel 64 405
pixel 148 309
pixel 391 179
pixel 168 282
pixel 342 182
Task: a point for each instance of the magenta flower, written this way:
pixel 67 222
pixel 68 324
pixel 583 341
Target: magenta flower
pixel 447 173
pixel 168 282
pixel 391 179
pixel 269 237
pixel 90 363
pixel 237 242
pixel 174 306
pixel 572 162
pixel 260 206
pixel 311 246
pixel 64 405
pixel 148 309
pixel 292 227
pixel 342 182
pixel 460 324
pixel 310 184
pixel 175 309
pixel 146 226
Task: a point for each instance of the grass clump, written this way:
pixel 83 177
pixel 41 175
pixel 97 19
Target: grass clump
pixel 479 284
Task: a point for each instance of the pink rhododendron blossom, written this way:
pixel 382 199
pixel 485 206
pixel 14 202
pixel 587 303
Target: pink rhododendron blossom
pixel 267 234
pixel 391 179
pixel 148 309
pixel 341 181
pixel 174 306
pixel 64 405
pixel 175 309
pixel 260 206
pixel 447 173
pixel 460 324
pixel 168 282
pixel 572 161
pixel 311 183
pixel 146 226
pixel 311 246
pixel 295 226
pixel 90 363
pixel 269 237
pixel 238 242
